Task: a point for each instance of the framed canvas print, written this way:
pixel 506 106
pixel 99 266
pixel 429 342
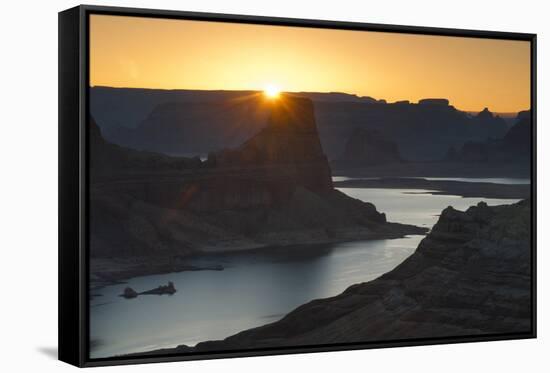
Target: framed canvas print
pixel 238 186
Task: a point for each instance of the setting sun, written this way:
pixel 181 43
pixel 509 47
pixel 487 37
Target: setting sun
pixel 272 91
pixel 371 64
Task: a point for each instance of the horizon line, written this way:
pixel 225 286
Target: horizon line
pixel 380 101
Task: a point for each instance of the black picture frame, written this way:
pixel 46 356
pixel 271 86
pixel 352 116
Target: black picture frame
pixel 74 173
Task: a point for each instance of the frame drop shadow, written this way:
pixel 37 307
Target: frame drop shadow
pixel 50 352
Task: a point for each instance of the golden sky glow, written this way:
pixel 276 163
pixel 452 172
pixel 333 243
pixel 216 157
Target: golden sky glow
pixel 176 54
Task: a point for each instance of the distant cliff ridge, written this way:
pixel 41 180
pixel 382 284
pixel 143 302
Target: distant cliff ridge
pixel 370 147
pixel 518 139
pixel 514 147
pixel 434 101
pixel 197 122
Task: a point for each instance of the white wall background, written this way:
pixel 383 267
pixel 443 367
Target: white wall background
pixel 28 187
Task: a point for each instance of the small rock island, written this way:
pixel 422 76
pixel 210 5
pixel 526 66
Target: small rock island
pixel 169 289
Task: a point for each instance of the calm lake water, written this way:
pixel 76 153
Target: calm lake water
pixel 258 287
pixel 495 180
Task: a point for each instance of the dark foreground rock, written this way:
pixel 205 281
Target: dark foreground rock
pixel 470 276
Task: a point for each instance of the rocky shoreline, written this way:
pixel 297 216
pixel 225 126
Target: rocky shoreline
pixel 112 271
pixel 470 276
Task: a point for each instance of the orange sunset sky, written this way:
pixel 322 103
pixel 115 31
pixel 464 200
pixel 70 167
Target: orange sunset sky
pixel 176 54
